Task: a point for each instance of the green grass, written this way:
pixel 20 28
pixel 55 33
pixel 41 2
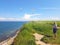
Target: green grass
pixel 25 36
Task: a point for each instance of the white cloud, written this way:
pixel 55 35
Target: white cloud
pixel 29 17
pixel 51 18
pixel 9 19
pixel 1 18
pixel 55 18
pixel 46 8
pixel 50 8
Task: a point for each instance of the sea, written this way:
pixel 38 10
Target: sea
pixel 9 28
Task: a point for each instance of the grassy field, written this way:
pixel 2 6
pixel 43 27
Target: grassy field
pixel 25 36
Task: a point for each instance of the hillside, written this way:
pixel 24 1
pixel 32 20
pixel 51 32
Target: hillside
pixel 25 36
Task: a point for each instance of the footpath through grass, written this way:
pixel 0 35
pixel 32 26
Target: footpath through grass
pixel 25 36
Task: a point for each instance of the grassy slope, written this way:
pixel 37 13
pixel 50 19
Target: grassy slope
pixel 25 37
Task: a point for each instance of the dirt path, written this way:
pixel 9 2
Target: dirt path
pixel 38 38
pixel 58 27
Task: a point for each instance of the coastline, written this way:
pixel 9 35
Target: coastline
pixel 10 40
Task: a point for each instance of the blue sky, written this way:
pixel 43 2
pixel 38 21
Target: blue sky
pixel 21 10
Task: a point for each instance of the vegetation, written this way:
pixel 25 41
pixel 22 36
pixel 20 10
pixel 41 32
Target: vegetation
pixel 25 36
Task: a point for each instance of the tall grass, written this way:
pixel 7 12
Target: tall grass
pixel 25 36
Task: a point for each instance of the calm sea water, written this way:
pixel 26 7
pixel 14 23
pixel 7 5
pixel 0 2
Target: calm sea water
pixel 8 29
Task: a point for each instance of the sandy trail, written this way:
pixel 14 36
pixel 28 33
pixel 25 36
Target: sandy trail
pixel 58 27
pixel 38 38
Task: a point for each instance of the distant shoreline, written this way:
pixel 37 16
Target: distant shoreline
pixel 10 40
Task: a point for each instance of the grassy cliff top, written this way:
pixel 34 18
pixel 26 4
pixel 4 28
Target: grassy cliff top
pixel 25 36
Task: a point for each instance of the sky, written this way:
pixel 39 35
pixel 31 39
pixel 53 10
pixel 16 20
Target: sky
pixel 27 10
